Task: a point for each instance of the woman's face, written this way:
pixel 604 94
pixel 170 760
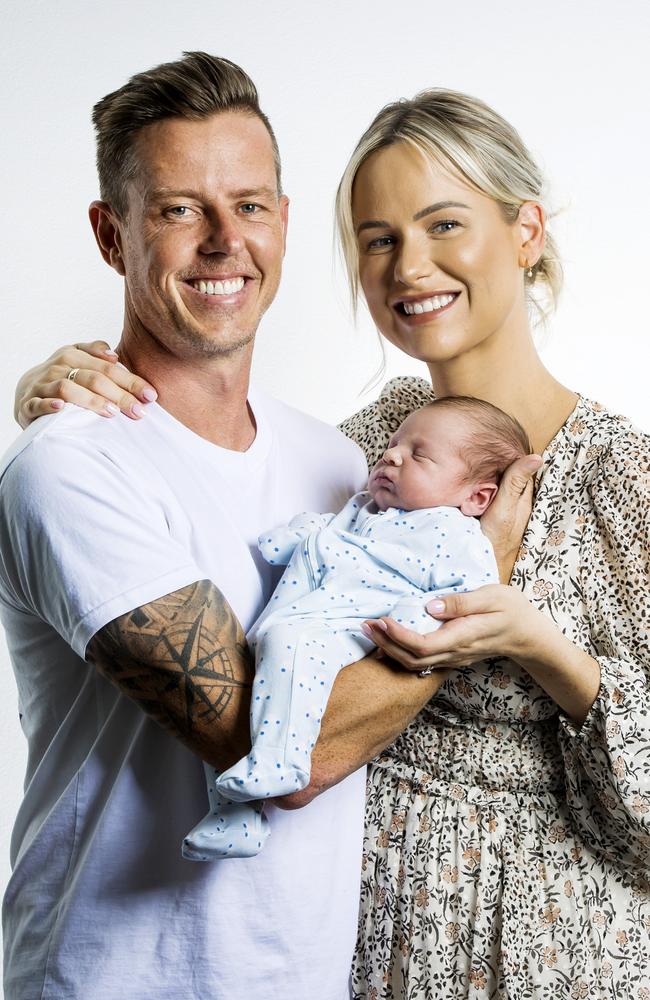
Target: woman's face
pixel 440 266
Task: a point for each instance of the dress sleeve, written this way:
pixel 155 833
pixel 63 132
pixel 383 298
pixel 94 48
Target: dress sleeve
pixel 608 757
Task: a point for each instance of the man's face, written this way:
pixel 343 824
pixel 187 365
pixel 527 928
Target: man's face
pixel 204 236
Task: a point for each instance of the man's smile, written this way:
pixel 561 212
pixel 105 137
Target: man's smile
pixel 213 289
pixel 227 286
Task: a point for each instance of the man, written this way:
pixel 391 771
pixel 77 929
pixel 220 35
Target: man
pixel 130 573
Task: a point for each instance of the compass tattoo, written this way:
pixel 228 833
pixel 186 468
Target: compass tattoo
pixel 183 659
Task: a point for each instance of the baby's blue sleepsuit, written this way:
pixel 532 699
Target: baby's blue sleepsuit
pixel 341 570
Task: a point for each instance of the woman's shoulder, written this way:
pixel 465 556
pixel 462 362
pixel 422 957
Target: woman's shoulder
pixel 610 455
pixel 613 439
pixel 372 426
pixel 596 435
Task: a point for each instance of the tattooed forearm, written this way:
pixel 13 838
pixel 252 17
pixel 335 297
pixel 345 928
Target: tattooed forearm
pixel 184 660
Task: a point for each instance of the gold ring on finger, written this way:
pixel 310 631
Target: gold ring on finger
pixel 72 374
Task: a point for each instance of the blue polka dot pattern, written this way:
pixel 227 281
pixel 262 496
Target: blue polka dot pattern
pixel 336 578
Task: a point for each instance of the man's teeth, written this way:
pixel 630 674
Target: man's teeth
pixel 427 305
pixel 228 287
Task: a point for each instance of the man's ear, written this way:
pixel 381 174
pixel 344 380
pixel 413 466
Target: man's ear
pixel 477 502
pixel 284 217
pixel 106 227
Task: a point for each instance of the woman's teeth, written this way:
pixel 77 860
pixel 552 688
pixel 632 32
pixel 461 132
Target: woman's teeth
pixel 427 305
pixel 228 287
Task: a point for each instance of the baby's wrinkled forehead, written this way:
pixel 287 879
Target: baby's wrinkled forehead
pixel 444 427
pixel 484 437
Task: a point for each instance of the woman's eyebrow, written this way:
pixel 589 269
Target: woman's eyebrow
pixel 373 224
pixel 436 207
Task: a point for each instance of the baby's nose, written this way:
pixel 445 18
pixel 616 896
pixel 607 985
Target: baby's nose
pixel 392 456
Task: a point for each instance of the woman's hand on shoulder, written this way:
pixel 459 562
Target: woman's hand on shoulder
pixel 505 520
pixel 100 384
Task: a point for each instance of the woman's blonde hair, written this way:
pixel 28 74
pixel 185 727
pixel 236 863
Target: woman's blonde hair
pixel 463 134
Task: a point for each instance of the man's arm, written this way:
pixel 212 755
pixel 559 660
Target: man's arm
pixel 183 659
pixel 371 703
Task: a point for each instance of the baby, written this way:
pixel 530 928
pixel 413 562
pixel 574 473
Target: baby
pixel 412 536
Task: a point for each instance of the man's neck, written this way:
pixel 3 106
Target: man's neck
pixel 207 394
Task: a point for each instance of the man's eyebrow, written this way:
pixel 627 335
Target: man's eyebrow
pixel 382 224
pixel 265 192
pixel 169 192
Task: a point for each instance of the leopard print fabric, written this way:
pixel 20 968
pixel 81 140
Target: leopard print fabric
pixel 507 852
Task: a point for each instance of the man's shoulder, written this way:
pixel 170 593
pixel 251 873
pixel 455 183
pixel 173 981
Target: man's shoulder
pixel 298 428
pixel 38 442
pixel 72 442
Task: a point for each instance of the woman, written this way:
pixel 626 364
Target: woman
pixel 507 834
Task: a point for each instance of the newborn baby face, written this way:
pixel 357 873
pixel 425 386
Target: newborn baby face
pixel 422 466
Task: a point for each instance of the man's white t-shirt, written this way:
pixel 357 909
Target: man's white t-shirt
pixel 98 517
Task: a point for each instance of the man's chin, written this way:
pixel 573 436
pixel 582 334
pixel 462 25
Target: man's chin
pixel 213 344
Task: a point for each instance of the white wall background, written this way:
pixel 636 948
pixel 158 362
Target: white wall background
pixel 572 76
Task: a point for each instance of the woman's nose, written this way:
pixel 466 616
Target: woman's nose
pixel 413 261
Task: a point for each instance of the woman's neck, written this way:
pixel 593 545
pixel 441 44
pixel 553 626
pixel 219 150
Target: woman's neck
pixel 511 376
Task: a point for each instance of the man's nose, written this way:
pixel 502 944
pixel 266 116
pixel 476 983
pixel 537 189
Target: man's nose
pixel 222 235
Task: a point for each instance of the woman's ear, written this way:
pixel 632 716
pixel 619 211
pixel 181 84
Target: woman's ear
pixel 532 225
pixel 477 502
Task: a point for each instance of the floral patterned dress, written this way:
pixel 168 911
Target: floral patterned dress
pixel 507 852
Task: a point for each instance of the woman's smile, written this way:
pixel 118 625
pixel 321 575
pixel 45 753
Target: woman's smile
pixel 417 310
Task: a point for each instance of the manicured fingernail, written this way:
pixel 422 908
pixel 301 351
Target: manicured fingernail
pixel 111 409
pixel 366 630
pixel 150 395
pixel 57 404
pixel 137 410
pixel 380 624
pixel 435 607
pixel 110 353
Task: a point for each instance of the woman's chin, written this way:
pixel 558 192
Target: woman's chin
pixel 429 347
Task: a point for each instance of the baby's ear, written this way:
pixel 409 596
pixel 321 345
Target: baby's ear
pixel 479 499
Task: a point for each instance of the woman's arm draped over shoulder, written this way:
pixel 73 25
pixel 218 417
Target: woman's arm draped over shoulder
pixel 99 384
pixel 608 757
